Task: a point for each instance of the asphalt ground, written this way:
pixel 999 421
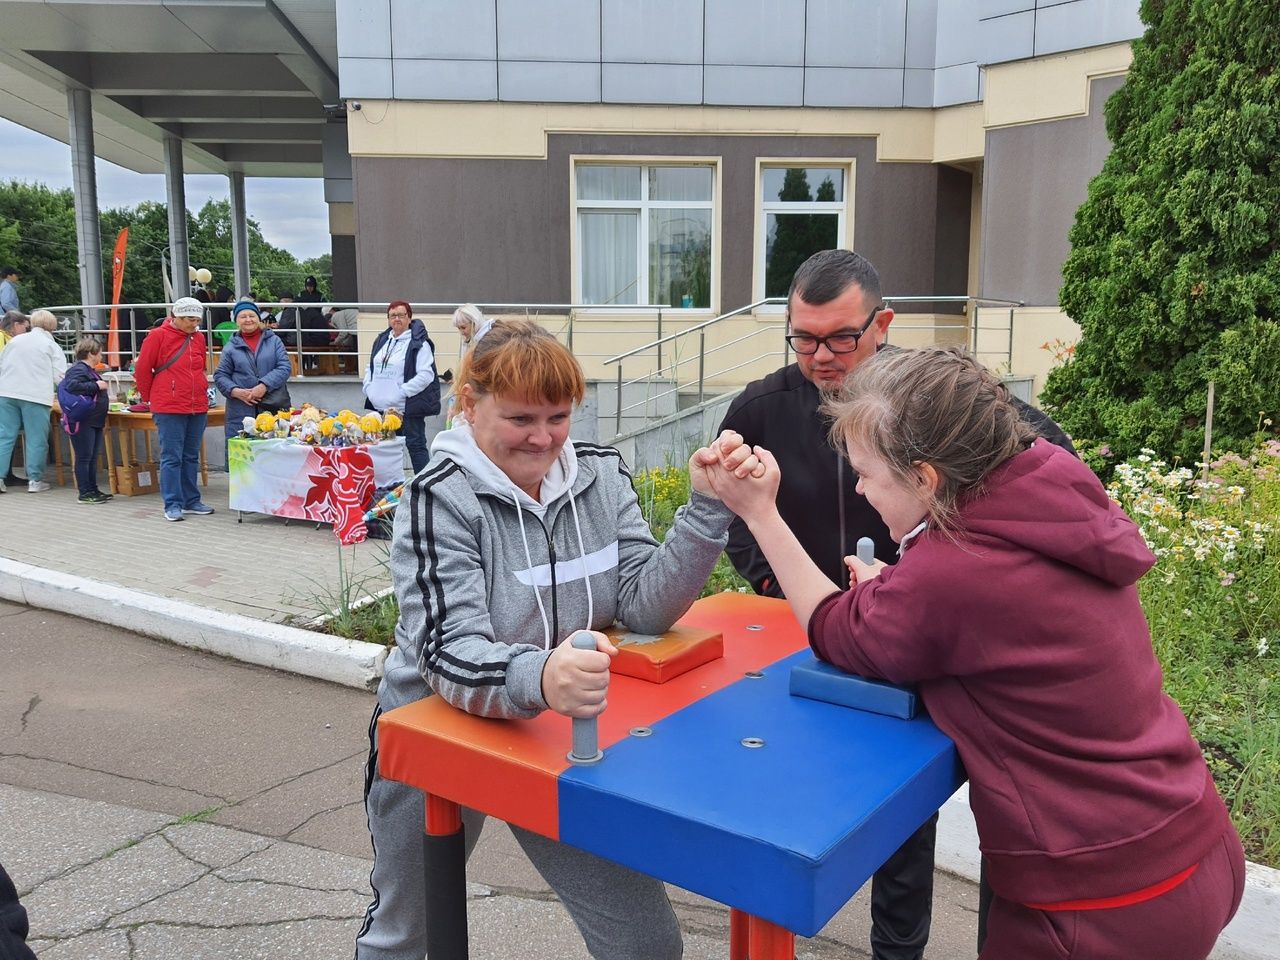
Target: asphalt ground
pixel 157 802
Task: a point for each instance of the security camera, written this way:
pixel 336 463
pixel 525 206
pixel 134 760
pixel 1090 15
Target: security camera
pixel 354 104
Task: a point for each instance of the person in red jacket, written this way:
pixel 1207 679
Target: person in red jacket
pixel 1014 608
pixel 170 374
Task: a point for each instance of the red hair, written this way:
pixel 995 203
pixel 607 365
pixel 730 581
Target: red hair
pixel 519 359
pixel 400 303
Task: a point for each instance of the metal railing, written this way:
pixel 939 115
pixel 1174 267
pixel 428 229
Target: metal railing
pixel 663 380
pixel 302 341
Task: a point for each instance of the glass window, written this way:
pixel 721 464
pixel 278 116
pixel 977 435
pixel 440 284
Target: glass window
pixel 803 211
pixel 644 234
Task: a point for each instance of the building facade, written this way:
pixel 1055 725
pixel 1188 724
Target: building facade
pixel 690 153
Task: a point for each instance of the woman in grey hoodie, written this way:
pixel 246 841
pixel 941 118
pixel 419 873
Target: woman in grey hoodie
pixel 507 542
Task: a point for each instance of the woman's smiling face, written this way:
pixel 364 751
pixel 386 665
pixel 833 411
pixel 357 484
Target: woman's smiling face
pixel 522 437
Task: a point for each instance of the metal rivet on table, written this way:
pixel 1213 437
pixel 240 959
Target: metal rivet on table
pixel 755 626
pixel 754 674
pixel 752 742
pixel 641 731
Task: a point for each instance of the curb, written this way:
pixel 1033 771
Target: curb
pixel 351 663
pixel 1251 934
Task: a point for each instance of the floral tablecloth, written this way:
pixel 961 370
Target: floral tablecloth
pixel 325 484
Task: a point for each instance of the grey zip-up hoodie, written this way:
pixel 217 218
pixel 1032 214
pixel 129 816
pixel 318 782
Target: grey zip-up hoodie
pixel 490 581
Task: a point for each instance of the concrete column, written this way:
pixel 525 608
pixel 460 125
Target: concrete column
pixel 239 236
pixel 84 187
pixel 176 195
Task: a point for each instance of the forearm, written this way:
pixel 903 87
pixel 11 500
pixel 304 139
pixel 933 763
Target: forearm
pixel 803 584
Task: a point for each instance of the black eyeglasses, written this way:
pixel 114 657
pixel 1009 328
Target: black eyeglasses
pixel 806 344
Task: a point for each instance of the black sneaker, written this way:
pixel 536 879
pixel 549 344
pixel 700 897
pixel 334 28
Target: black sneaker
pixel 94 498
pixel 104 495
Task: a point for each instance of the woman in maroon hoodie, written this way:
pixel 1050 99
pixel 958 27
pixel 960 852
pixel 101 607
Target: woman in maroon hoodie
pixel 170 374
pixel 1015 610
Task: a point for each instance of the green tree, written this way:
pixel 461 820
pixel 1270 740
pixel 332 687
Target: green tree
pixel 1174 271
pixel 39 225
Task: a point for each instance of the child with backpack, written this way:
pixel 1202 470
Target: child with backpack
pixel 1014 608
pixel 82 395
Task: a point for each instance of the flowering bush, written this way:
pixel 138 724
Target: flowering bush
pixel 1213 601
pixel 662 491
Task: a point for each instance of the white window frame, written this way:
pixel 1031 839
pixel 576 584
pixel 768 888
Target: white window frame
pixel 842 208
pixel 642 208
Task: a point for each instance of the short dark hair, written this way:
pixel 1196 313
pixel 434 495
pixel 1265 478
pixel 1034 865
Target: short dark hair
pixel 829 273
pixel 6 272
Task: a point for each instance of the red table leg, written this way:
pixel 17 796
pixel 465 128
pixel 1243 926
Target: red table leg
pixel 770 941
pixel 739 927
pixel 444 858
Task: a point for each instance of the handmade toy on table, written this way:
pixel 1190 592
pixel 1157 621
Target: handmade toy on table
pixel 311 425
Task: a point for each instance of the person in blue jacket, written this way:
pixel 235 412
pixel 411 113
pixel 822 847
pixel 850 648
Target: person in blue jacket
pixel 253 373
pixel 82 378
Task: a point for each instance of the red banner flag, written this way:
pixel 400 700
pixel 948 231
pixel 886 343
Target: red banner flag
pixel 117 279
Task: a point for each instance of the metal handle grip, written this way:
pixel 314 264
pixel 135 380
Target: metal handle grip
pixel 586 734
pixel 866 550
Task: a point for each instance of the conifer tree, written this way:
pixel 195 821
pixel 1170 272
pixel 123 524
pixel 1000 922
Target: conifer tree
pixel 1174 271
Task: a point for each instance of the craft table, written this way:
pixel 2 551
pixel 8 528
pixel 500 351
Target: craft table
pixel 717 781
pixel 335 485
pixel 119 433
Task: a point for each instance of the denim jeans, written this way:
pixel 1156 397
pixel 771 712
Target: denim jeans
pixel 31 418
pixel 87 444
pixel 181 435
pixel 414 431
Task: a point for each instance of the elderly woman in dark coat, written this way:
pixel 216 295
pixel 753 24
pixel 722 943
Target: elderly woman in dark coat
pixel 254 369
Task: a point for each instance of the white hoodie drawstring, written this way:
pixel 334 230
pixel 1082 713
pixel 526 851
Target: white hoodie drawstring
pixel 533 582
pixel 582 553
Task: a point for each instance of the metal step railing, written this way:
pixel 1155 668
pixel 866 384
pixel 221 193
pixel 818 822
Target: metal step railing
pixel 72 323
pixel 663 379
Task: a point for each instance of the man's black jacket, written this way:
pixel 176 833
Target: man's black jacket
pixel 817 497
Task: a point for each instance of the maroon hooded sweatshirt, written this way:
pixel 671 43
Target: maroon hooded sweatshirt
pixel 1032 653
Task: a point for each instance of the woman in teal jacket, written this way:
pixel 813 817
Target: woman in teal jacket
pixel 253 370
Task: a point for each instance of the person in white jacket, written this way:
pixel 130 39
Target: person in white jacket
pixel 30 368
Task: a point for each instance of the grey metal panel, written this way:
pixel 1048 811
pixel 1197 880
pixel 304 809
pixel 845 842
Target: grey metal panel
pixel 549 82
pixel 1086 23
pixel 443 29
pixel 957 84
pixel 566 30
pixel 1025 225
pixel 761 32
pixel 957 32
pixel 753 86
pixel 340 190
pixel 1000 8
pixel 1010 37
pixel 444 79
pixel 917 88
pixel 652 83
pixel 852 87
pixel 364 29
pixel 657 31
pixel 922 33
pixel 362 77
pixel 843 33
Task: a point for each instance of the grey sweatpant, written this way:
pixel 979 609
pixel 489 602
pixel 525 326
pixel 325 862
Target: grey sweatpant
pixel 621 914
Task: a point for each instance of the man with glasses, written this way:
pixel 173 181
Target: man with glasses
pixel 836 319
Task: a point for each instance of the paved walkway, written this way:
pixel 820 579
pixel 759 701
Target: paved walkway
pixel 161 803
pixel 263 567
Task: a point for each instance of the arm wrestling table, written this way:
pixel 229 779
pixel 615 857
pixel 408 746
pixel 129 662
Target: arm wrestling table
pixel 718 781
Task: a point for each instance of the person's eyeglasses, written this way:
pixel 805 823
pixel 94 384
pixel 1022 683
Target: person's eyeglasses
pixel 806 344
pixel 397 316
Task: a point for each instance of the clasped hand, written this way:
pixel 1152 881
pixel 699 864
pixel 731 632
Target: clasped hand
pixel 745 478
pixel 576 682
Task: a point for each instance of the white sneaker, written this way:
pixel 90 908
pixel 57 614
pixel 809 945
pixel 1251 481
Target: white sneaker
pixel 36 486
pixel 3 488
